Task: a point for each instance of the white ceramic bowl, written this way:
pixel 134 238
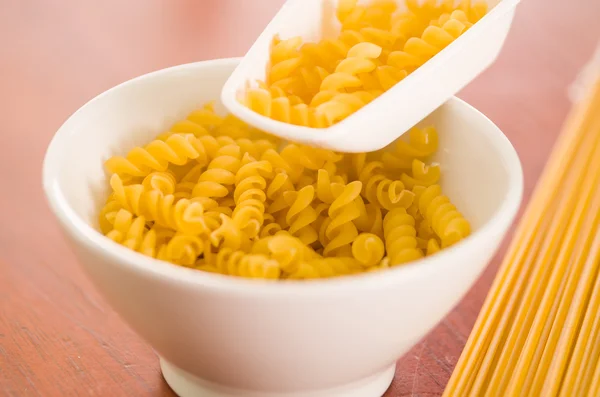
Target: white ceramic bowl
pixel 224 336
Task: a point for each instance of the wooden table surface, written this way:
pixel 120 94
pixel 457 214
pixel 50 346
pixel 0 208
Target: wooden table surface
pixel 57 335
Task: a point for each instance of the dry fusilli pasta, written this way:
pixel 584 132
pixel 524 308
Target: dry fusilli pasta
pixel 319 84
pixel 246 205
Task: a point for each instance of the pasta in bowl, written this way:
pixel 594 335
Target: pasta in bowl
pixel 238 337
pixel 214 194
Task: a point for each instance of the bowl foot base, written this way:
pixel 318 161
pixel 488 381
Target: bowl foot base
pixel 185 384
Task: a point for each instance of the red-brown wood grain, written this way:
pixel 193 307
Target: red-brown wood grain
pixel 57 335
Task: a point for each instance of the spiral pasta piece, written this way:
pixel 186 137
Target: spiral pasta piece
pixel 164 182
pixel 447 222
pixel 157 155
pixel 106 216
pixel 280 184
pixel 241 264
pixel 326 53
pixel 388 76
pixel 368 249
pixel 326 190
pixel 342 105
pixel 421 14
pixel 228 157
pixel 400 237
pixel 228 235
pixel 311 78
pixel 370 219
pixel 418 50
pixel 341 231
pixel 130 231
pixel 287 250
pixel 283 165
pixel 217 180
pixel 421 143
pixel 413 210
pixel 182 249
pixel 286 109
pixel 303 157
pixel 422 175
pixel 359 60
pixel 379 189
pixel 249 194
pixel 285 58
pixel 301 214
pixel 270 227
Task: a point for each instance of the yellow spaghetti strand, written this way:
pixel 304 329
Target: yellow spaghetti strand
pixel 588 339
pixel 585 288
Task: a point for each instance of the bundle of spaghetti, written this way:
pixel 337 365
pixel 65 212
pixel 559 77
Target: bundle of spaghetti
pixel 538 333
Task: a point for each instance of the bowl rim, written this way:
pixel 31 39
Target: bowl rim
pixel 76 228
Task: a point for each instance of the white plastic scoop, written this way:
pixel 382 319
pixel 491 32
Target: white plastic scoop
pixel 383 120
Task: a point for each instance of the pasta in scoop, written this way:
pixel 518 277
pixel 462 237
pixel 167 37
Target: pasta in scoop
pixel 378 45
